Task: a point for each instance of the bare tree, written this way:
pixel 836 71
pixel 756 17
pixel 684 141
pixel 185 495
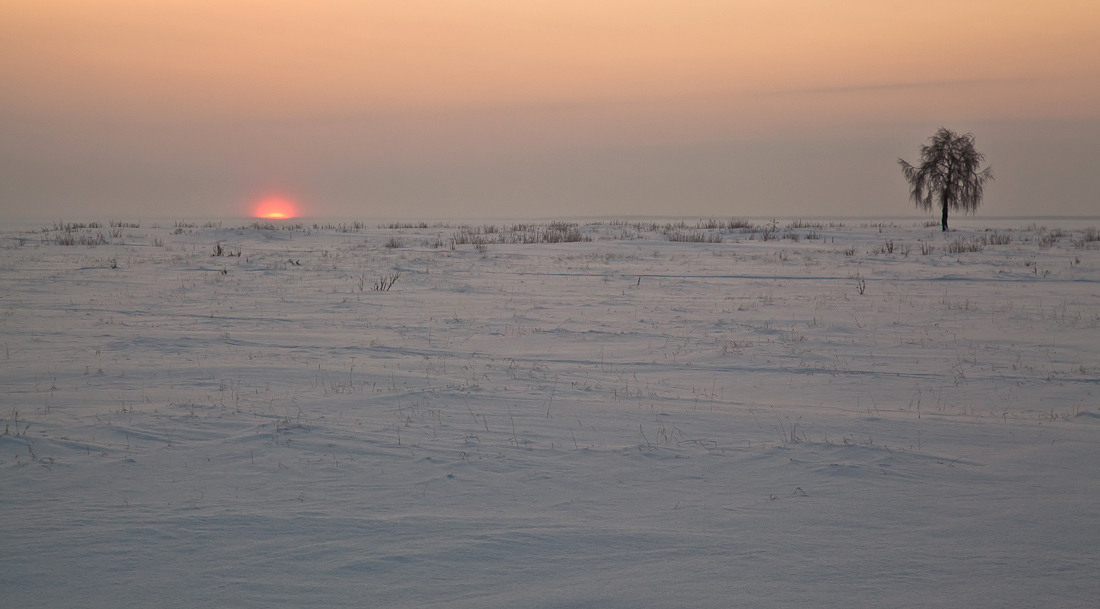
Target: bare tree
pixel 948 175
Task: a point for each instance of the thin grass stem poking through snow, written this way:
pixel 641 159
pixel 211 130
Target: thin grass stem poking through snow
pixel 385 282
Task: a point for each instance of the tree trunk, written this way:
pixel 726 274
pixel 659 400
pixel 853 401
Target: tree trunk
pixel 944 217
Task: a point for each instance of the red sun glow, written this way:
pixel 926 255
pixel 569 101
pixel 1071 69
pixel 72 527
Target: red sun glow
pixel 275 208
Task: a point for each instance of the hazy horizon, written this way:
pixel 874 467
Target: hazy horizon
pixel 485 108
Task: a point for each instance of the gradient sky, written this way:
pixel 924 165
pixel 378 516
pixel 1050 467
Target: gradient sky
pixel 479 108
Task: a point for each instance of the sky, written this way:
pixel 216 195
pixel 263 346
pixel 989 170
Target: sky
pixel 445 109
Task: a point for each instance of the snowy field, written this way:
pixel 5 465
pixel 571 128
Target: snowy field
pixel 807 414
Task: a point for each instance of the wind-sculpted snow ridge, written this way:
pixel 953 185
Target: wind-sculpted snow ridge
pixel 616 414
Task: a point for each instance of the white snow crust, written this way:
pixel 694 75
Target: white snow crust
pixel 826 417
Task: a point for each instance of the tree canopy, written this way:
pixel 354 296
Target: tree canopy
pixel 948 175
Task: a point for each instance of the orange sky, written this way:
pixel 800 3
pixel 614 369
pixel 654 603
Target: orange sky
pixel 556 74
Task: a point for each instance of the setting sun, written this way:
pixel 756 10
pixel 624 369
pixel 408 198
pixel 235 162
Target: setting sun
pixel 275 208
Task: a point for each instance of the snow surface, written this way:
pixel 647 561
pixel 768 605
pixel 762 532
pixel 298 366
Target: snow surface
pixel 622 422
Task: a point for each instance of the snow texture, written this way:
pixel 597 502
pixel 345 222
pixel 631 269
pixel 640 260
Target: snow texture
pixel 828 414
